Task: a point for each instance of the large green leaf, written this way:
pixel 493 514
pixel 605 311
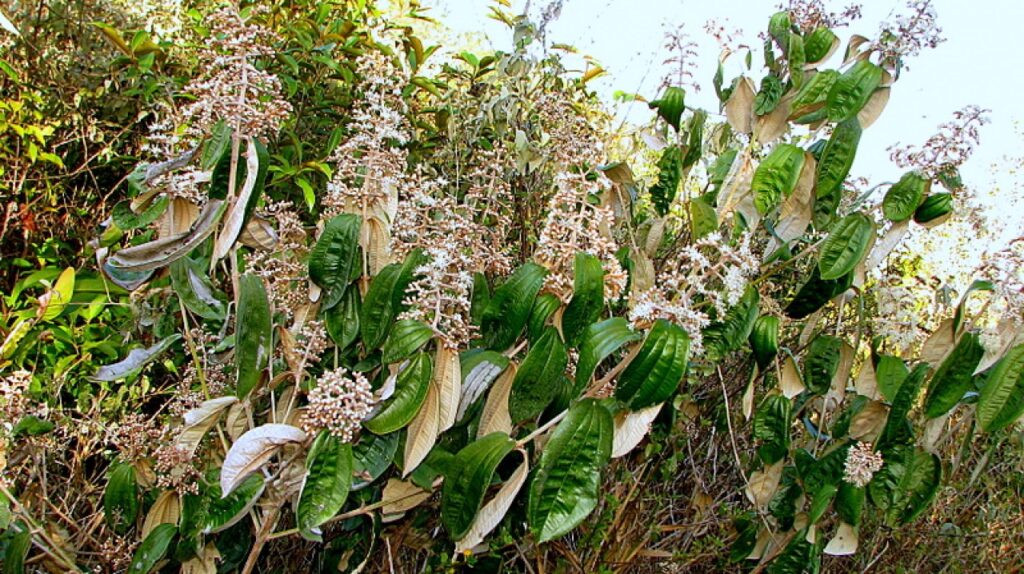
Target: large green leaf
pixel 815 293
pixel 852 90
pixel 890 372
pixel 407 336
pixel 587 297
pixel 954 377
pixel 776 177
pixel 1002 398
pixel 837 157
pixel 538 379
pixel 342 320
pixel 598 342
pixel 846 246
pixel 670 173
pixel 328 479
pixel 658 368
pixel 544 308
pixel 196 291
pixel 126 219
pixel 153 549
pixel 764 340
pixel 821 363
pixel 906 483
pixel 809 103
pixel 411 387
pixel 819 44
pixel 252 334
pixel 771 426
pixel 850 502
pixel 731 332
pixel 564 490
pixel 897 428
pixel 671 105
pixel 219 512
pixel 509 308
pixel 120 499
pixel 383 301
pixel 469 476
pixel 17 549
pixel 372 457
pixel 903 198
pixel 333 257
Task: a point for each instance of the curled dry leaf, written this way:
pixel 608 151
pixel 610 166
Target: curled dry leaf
pixel 200 420
pixel 837 390
pixel 235 219
pixel 844 543
pixel 771 126
pixel 1008 335
pixel 939 344
pixel 377 244
pixel 873 108
pixel 748 400
pixel 791 382
pixel 890 240
pixel 494 510
pixel 166 510
pixel 252 450
pixel 203 563
pixel 495 416
pixel 631 427
pixel 739 110
pixel 448 378
pixel 236 422
pixel 797 210
pixel 736 185
pixel 423 430
pixel 478 380
pixel 867 381
pixel 763 483
pixel 401 495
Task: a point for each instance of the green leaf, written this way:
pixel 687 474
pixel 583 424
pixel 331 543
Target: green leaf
pixel 797 557
pixel 166 250
pixel 852 90
pixel 890 372
pixel 587 297
pixel 846 246
pixel 837 157
pixel 153 549
pixel 776 177
pixel 897 428
pixel 671 105
pixel 670 173
pixel 905 196
pixel 333 257
pixel 954 377
pixel 57 297
pixel 120 499
pixel 703 217
pixel 658 368
pixel 407 336
pixel 543 308
pixel 372 457
pixel 819 44
pixel 221 512
pixel 764 340
pixel 216 146
pixel 538 379
pixel 466 483
pixel 383 301
pixel 132 365
pixel 252 334
pixel 598 342
pixel 328 479
pixel 934 209
pixel 197 293
pixel 31 425
pixel 850 502
pixel 729 334
pixel 821 363
pixel 768 96
pixel 17 550
pixel 509 308
pixel 906 483
pixel 342 320
pixel 1002 398
pixel 771 426
pixel 564 490
pixel 126 219
pixel 797 57
pixel 809 104
pixel 411 387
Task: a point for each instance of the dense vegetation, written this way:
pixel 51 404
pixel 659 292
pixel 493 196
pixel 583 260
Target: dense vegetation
pixel 286 288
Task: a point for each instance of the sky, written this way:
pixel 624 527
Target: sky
pixel 973 66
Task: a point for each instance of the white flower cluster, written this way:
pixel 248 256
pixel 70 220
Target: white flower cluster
pixel 710 272
pixel 574 224
pixel 907 34
pixel 440 297
pixel 1005 269
pixel 13 401
pixel 902 317
pixel 338 404
pixel 232 88
pixel 862 462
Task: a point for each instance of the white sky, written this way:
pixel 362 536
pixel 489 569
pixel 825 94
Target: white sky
pixel 974 66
